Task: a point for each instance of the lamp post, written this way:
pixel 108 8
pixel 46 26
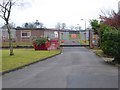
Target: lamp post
pixel 85 29
pixel 78 26
pixel 85 22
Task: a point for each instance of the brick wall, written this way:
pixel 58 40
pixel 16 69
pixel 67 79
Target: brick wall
pixel 33 34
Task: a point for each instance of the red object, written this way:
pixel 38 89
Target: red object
pixel 54 43
pixel 42 46
pixel 73 35
pixel 73 42
pixel 47 44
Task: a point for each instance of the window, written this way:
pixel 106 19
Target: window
pixel 25 34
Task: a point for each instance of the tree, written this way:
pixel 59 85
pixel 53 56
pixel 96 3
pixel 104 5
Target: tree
pixel 38 24
pixel 63 26
pixel 95 25
pixel 111 34
pixel 26 25
pixel 29 25
pixel 35 24
pixel 41 25
pixel 96 28
pixel 58 26
pixel 111 18
pixel 5 9
pixel 72 27
pixel 12 25
pixel 77 28
pixel 5 12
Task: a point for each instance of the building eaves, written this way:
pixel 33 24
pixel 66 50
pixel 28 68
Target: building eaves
pixel 29 28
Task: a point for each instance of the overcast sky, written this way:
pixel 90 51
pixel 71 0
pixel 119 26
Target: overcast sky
pixel 68 11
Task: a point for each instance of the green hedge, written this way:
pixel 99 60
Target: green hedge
pixel 111 43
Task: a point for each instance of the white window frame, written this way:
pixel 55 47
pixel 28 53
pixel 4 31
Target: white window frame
pixel 28 33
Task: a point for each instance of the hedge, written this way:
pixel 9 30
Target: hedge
pixel 111 43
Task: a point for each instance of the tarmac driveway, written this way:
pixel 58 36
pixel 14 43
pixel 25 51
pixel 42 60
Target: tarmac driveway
pixel 76 67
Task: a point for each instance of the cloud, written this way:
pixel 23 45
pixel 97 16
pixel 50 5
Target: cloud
pixel 69 11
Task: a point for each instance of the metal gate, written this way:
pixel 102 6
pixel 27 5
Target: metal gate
pixel 74 37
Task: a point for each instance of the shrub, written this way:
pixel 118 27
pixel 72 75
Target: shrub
pixel 111 43
pixel 40 40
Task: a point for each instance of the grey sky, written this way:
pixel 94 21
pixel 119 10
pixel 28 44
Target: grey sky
pixel 69 11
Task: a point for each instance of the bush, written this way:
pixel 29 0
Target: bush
pixel 102 29
pixel 111 43
pixel 40 40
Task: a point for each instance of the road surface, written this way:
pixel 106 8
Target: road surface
pixel 76 67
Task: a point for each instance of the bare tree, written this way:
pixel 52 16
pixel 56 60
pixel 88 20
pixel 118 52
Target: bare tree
pixel 39 24
pixel 76 28
pixel 72 27
pixel 107 13
pixel 111 18
pixel 63 26
pixel 12 25
pixel 5 9
pixel 5 12
pixel 35 24
pixel 58 26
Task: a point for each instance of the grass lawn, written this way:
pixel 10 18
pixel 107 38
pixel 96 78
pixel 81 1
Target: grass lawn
pixel 22 57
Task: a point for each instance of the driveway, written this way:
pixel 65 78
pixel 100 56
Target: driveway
pixel 76 67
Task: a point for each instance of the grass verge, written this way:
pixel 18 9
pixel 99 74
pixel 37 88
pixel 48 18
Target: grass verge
pixel 100 53
pixel 23 57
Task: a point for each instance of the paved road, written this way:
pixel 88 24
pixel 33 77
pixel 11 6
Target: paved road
pixel 76 67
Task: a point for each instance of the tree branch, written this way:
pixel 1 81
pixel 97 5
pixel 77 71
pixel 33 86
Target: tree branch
pixel 5 7
pixel 2 17
pixel 10 6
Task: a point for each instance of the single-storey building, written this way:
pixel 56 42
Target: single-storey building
pixel 28 34
pixel 65 37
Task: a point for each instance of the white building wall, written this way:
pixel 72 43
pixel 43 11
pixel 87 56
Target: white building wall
pixel 5 34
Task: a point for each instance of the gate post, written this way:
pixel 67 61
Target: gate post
pixel 90 39
pixel 59 39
